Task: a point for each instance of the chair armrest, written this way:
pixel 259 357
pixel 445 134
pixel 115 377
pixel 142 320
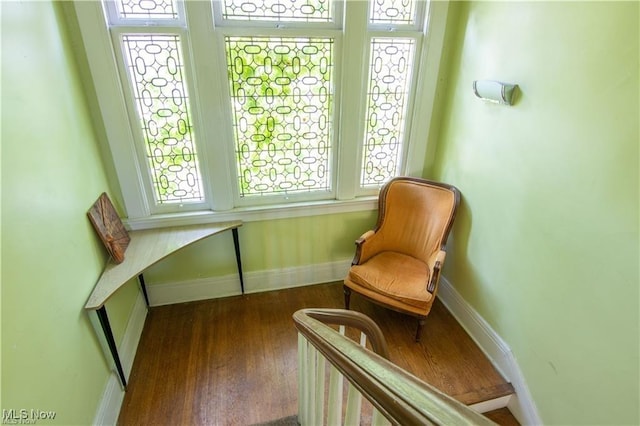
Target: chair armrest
pixel 435 266
pixel 363 248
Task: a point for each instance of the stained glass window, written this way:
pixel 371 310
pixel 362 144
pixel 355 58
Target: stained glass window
pixel 282 101
pixel 147 9
pixel 278 10
pixel 391 61
pixel 155 66
pixel 247 103
pixel 393 12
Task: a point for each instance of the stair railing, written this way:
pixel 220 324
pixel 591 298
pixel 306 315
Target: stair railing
pixel 397 397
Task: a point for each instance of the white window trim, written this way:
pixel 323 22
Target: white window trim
pixel 100 56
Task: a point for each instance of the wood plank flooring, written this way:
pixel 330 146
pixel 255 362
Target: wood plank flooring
pixel 233 361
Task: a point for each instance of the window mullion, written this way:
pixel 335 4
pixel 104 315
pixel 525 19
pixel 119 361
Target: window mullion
pixel 211 106
pixel 355 53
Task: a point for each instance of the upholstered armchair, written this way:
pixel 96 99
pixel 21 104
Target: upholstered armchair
pixel 397 265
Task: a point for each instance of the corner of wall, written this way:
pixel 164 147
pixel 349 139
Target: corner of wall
pixel 522 405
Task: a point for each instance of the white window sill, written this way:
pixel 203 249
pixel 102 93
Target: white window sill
pixel 251 214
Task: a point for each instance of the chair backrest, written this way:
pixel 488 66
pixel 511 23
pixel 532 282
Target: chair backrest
pixel 415 215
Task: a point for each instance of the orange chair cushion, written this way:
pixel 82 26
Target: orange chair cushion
pixel 396 276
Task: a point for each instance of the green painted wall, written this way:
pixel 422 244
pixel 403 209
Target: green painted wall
pixel 51 257
pixel 546 244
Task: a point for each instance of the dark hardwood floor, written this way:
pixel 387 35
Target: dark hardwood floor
pixel 233 361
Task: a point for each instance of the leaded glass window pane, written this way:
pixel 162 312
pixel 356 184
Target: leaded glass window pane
pixel 155 66
pixel 282 105
pixel 393 12
pixel 387 101
pixel 147 9
pixel 278 10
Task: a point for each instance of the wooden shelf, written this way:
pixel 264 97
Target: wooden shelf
pixel 146 248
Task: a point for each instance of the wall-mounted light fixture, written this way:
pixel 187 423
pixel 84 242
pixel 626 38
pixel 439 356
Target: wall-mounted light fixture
pixel 495 91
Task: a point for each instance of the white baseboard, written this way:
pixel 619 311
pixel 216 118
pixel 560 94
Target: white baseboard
pixel 521 405
pixel 109 408
pixel 254 282
pixel 192 290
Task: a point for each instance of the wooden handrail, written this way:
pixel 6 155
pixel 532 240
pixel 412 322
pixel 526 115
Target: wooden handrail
pixel 355 320
pixel 401 397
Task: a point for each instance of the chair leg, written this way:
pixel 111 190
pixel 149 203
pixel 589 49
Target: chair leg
pixel 421 322
pixel 347 296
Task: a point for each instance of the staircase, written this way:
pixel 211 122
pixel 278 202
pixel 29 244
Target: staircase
pixel 327 356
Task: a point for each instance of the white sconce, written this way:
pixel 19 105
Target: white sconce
pixel 495 91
